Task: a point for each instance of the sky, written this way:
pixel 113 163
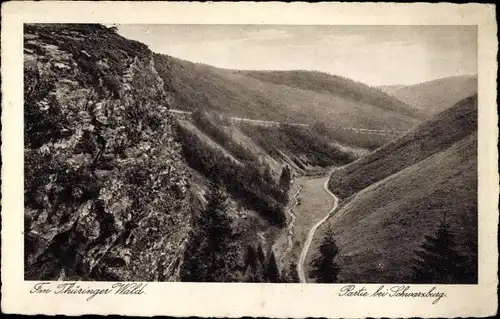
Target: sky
pixel 375 55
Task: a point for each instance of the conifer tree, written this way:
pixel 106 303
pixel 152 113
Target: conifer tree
pixel 285 179
pixel 260 254
pixel 272 273
pixel 268 177
pixel 259 272
pixel 206 258
pixel 324 268
pixel 251 257
pixel 437 261
pixel 250 275
pixel 291 275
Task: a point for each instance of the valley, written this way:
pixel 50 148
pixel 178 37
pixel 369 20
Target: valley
pixel 312 231
pixel 428 98
pixel 143 166
pixel 381 199
pixel 310 206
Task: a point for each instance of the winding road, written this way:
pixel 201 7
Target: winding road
pixel 290 226
pixel 310 236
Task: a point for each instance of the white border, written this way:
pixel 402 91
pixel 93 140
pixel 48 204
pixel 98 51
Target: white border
pixel 235 300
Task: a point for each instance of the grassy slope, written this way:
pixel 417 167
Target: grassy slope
pixel 428 99
pixel 400 193
pixel 431 137
pixel 379 229
pixel 335 85
pixel 195 86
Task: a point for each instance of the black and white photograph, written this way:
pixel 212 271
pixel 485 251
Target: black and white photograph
pixel 246 159
pixel 250 153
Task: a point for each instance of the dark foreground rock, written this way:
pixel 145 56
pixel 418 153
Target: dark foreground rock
pixel 106 190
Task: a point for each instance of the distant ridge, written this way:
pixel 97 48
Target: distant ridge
pixel 432 97
pixel 430 137
pixel 288 96
pixel 333 84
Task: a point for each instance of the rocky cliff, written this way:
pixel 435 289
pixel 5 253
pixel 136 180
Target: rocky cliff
pixel 106 190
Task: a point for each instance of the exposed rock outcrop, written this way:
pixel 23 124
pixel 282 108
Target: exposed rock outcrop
pixel 106 190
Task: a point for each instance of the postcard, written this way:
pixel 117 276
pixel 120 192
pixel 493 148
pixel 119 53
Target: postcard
pixel 281 160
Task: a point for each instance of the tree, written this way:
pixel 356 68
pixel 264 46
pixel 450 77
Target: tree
pixel 437 261
pixel 255 265
pixel 207 254
pixel 251 257
pixel 320 128
pixel 113 28
pixel 260 254
pixel 272 273
pixel 324 267
pixel 267 175
pixel 250 275
pixel 291 275
pixel 285 179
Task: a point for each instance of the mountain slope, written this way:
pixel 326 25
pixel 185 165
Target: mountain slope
pixel 109 191
pixel 432 97
pixel 402 193
pixel 197 86
pixel 335 85
pixel 105 184
pixel 430 137
pixel 390 89
pixel 379 229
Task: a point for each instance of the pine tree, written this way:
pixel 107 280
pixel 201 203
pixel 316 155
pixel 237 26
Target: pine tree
pixel 207 254
pixel 259 272
pixel 268 177
pixel 437 261
pixel 260 254
pixel 272 273
pixel 251 257
pixel 250 275
pixel 285 179
pixel 324 268
pixel 291 275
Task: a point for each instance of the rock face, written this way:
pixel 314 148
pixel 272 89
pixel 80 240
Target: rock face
pixel 106 190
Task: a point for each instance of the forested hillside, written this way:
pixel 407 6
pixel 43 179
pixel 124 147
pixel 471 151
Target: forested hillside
pixel 319 97
pixel 304 146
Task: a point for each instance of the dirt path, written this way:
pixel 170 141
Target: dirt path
pixel 303 254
